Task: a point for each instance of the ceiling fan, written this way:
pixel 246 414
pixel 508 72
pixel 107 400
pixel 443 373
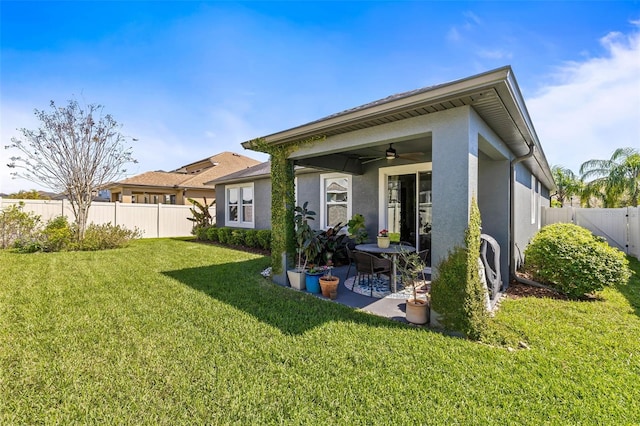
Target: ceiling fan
pixel 392 154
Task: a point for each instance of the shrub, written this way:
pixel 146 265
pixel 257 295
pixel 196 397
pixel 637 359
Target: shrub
pixel 107 236
pixel 457 293
pixel 574 261
pixel 18 228
pixel 251 238
pixel 447 289
pixel 201 232
pixel 212 234
pixel 56 235
pixel 236 237
pixel 264 239
pixel 224 235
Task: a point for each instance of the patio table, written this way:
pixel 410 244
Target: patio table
pixel 393 250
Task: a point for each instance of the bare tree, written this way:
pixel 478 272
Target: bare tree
pixel 75 151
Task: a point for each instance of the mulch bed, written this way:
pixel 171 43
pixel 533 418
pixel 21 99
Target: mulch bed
pixel 517 290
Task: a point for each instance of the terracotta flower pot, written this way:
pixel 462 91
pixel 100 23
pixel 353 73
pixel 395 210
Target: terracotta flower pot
pixel 417 311
pixel 329 285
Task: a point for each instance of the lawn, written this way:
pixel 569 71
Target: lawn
pixel 175 332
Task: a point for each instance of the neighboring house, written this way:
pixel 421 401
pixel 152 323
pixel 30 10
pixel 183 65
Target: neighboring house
pixel 176 186
pixel 411 163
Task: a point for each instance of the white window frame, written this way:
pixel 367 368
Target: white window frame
pixel 323 196
pixel 240 223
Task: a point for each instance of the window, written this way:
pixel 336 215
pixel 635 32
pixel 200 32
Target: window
pixel 240 206
pixel 336 199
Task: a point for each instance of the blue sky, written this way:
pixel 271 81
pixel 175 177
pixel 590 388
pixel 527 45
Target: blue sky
pixel 190 79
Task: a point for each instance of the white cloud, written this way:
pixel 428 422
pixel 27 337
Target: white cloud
pixel 592 107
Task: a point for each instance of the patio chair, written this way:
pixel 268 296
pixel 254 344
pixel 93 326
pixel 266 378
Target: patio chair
pixel 370 266
pixel 352 261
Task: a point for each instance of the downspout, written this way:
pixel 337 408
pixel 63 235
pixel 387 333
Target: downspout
pixel 512 209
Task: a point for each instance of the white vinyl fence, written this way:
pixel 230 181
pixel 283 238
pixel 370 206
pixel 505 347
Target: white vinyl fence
pixel 153 220
pixel 620 227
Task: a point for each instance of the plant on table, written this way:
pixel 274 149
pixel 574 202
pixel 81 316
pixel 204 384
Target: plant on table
pixel 383 233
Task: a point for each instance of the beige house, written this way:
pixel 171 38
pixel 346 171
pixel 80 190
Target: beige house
pixel 176 186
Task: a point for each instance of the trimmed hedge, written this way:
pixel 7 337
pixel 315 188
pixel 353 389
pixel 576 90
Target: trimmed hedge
pixel 252 238
pixel 573 260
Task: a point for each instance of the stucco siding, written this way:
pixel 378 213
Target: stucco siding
pixel 524 226
pixel 452 162
pixel 262 200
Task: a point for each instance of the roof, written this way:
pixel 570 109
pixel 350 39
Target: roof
pixel 260 171
pixel 494 95
pixel 222 164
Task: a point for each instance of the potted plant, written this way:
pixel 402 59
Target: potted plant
pixel 383 238
pixel 329 283
pixel 312 278
pixel 301 217
pixel 357 229
pixel 411 268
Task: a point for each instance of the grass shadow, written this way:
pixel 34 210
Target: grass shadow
pixel 240 285
pixel 632 289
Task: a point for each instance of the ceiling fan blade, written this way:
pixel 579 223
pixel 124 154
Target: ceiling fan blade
pixel 371 160
pixel 411 154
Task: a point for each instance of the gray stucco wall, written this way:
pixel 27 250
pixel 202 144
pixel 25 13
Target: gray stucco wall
pixel 524 227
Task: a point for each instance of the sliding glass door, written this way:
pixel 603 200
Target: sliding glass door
pixel 405 203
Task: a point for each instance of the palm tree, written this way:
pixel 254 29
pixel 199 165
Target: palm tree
pixel 567 182
pixel 615 181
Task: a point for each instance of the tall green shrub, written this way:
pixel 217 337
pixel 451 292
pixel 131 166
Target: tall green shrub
pixel 457 293
pixel 574 261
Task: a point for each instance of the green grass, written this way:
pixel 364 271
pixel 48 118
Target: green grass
pixel 174 332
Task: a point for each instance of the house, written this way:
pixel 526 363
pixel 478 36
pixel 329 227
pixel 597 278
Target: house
pixel 410 163
pixel 176 186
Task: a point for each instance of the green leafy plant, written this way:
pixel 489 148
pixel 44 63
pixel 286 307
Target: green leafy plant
pixel 357 229
pixel 332 245
pixel 201 216
pixel 306 241
pixel 573 260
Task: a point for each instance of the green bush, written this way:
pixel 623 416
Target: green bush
pixel 251 238
pixel 18 228
pixel 237 237
pixel 107 236
pixel 264 239
pixel 57 235
pixel 201 232
pixel 224 235
pixel 457 293
pixel 574 261
pixel 212 234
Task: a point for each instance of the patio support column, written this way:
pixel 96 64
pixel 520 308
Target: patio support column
pixel 282 226
pixel 455 175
